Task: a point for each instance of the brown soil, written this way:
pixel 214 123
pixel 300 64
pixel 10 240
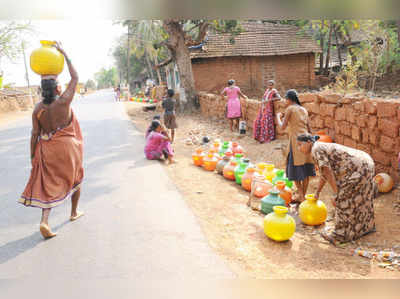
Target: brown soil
pixel 235 231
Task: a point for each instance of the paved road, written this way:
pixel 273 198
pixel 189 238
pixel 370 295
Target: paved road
pixel 136 227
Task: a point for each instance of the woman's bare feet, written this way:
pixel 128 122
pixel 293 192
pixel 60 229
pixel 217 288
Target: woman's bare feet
pixel 76 215
pixel 328 237
pixel 46 231
pixel 172 161
pixel 297 198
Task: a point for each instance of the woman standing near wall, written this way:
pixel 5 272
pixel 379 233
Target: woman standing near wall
pixel 264 127
pixel 299 166
pixel 233 106
pixel 350 174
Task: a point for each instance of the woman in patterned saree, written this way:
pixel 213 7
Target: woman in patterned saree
pixel 263 127
pixel 350 174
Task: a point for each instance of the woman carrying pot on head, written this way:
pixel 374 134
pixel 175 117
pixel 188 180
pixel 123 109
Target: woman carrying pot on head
pixel 56 150
pixel 233 106
pixel 299 166
pixel 350 174
pixel 264 126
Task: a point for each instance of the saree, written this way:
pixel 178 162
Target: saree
pixel 57 170
pixel 264 126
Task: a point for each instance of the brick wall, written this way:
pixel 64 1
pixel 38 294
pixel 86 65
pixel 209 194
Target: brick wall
pixel 252 73
pixel 370 125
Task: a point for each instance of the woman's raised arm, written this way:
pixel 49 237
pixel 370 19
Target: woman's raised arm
pixel 68 94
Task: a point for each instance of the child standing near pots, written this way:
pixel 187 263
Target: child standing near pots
pixel 169 104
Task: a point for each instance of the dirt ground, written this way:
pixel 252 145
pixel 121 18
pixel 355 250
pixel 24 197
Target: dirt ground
pixel 235 231
pixel 13 116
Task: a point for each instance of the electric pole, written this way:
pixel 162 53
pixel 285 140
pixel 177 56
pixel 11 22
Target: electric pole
pixel 127 56
pixel 26 68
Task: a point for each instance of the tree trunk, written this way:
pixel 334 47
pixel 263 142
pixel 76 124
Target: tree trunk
pixel 321 55
pixel 398 31
pixel 150 68
pixel 181 55
pixel 338 48
pixel 157 70
pixel 328 51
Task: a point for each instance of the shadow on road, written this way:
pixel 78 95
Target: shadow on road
pixel 17 247
pixel 109 142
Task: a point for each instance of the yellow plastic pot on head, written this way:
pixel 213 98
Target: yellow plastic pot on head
pixel 47 60
pixel 312 211
pixel 279 226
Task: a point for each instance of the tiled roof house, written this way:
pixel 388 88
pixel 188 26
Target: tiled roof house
pixel 263 51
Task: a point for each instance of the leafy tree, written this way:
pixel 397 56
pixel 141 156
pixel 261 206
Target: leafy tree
pixel 347 79
pixel 181 34
pixel 324 32
pixel 137 66
pixel 12 35
pixel 398 31
pixel 106 78
pixel 146 34
pixel 143 55
pixel 378 52
pixel 90 84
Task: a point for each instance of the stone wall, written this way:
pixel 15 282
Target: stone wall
pixel 15 100
pixel 370 125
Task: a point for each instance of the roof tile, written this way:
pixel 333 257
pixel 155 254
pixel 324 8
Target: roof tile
pixel 258 39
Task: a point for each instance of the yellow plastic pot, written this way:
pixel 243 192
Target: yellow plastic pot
pixel 312 211
pixel 269 171
pixel 278 225
pixel 261 168
pixel 47 60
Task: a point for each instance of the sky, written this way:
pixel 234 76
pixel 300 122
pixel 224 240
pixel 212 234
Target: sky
pixel 88 44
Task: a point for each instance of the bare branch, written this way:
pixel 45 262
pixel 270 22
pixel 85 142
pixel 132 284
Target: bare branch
pixel 164 63
pixel 203 31
pixel 203 26
pixel 191 29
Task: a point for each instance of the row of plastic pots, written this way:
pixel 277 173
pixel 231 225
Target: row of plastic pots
pixel 143 100
pixel 233 166
pixel 267 183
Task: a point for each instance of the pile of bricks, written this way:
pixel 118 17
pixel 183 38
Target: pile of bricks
pixel 370 125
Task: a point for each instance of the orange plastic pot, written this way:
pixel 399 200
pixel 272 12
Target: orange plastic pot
pixel 198 157
pixel 323 137
pixel 229 170
pixel 237 149
pixel 210 162
pixel 216 147
pixel 284 192
pixel 247 178
pixel 261 188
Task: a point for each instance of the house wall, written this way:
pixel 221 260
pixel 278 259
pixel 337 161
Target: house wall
pixel 252 73
pixel 370 125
